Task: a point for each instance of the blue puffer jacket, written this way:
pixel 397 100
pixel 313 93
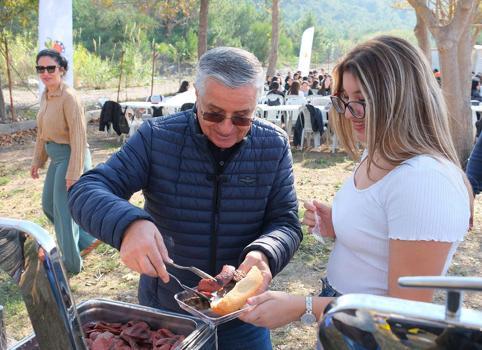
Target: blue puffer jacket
pixel 206 219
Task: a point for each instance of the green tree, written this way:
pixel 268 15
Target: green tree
pixel 12 13
pixel 273 53
pixel 451 24
pixel 203 28
pixel 107 34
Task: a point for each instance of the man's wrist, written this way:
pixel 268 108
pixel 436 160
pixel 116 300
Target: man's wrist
pixel 258 254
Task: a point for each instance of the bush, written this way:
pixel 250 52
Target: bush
pixel 90 71
pixel 22 48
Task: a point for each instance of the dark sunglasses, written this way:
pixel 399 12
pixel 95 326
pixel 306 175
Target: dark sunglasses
pixel 356 108
pixel 214 117
pixel 41 69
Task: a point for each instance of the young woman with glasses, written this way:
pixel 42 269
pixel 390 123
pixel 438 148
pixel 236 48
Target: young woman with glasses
pixel 61 136
pixel 406 207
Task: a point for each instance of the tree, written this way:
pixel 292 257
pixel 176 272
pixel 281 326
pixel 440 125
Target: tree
pixel 273 54
pixel 203 28
pixel 420 30
pixel 3 113
pixel 421 33
pixel 450 23
pixel 11 11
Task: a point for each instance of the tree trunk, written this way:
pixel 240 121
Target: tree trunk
pixel 459 117
pixel 202 43
pixel 273 54
pixel 454 45
pixel 3 114
pixel 421 33
pixel 464 59
pixel 153 68
pixel 7 61
pixel 120 74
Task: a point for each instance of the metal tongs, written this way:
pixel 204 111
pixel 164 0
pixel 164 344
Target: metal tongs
pixel 197 272
pixel 193 290
pixel 193 269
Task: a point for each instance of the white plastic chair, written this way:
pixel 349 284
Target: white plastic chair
pixel 318 100
pixel 154 98
pixel 274 99
pixel 262 100
pixel 293 116
pixel 307 127
pixel 295 100
pixel 273 117
pixel 101 101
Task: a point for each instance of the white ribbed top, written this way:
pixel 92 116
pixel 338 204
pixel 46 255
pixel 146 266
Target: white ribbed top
pixel 422 199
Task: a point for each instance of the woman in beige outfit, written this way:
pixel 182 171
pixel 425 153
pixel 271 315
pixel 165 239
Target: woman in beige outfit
pixel 61 136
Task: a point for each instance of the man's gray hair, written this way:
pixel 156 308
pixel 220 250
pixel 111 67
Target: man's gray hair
pixel 230 66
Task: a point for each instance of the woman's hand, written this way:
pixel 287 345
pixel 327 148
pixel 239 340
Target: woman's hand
pixel 273 309
pixel 34 172
pixel 69 183
pixel 324 215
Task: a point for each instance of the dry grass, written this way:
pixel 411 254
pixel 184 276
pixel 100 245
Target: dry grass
pixel 318 175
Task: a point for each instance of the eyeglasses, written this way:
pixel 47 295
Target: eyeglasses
pixel 356 108
pixel 214 117
pixel 41 69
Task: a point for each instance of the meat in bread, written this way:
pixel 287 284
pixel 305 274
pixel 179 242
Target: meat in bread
pixel 236 297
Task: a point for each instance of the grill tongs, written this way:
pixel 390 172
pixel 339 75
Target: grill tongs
pixel 194 270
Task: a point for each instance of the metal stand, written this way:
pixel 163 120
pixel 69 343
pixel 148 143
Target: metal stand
pixel 3 333
pixel 29 255
pixel 454 286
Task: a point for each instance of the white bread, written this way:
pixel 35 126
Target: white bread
pixel 236 297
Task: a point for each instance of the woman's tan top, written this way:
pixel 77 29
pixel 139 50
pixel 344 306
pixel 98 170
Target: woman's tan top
pixel 61 120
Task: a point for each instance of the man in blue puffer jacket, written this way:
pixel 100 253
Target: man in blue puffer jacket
pixel 218 188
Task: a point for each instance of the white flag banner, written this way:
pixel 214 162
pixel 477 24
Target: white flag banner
pixel 55 32
pixel 305 51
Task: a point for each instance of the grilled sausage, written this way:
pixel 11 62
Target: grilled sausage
pixel 222 279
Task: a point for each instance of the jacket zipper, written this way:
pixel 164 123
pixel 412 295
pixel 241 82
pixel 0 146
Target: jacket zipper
pixel 214 223
pixel 218 178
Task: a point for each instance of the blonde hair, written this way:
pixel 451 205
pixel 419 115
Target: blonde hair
pixel 405 111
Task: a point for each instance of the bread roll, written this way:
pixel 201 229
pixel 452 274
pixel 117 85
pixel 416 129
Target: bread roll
pixel 236 297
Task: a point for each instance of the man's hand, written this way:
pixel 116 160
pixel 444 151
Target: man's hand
pixel 143 250
pixel 34 172
pixel 258 259
pixel 69 183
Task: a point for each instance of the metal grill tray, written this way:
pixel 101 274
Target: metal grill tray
pixel 206 315
pixel 196 331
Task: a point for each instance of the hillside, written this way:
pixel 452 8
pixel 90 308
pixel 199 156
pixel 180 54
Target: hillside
pixel 351 18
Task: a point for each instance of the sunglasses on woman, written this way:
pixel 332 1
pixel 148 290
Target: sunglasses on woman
pixel 214 117
pixel 41 69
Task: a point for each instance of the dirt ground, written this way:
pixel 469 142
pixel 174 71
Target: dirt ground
pixel 318 175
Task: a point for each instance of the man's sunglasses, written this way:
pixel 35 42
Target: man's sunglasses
pixel 41 69
pixel 214 117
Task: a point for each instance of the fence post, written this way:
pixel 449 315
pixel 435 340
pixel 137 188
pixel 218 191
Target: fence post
pixel 7 61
